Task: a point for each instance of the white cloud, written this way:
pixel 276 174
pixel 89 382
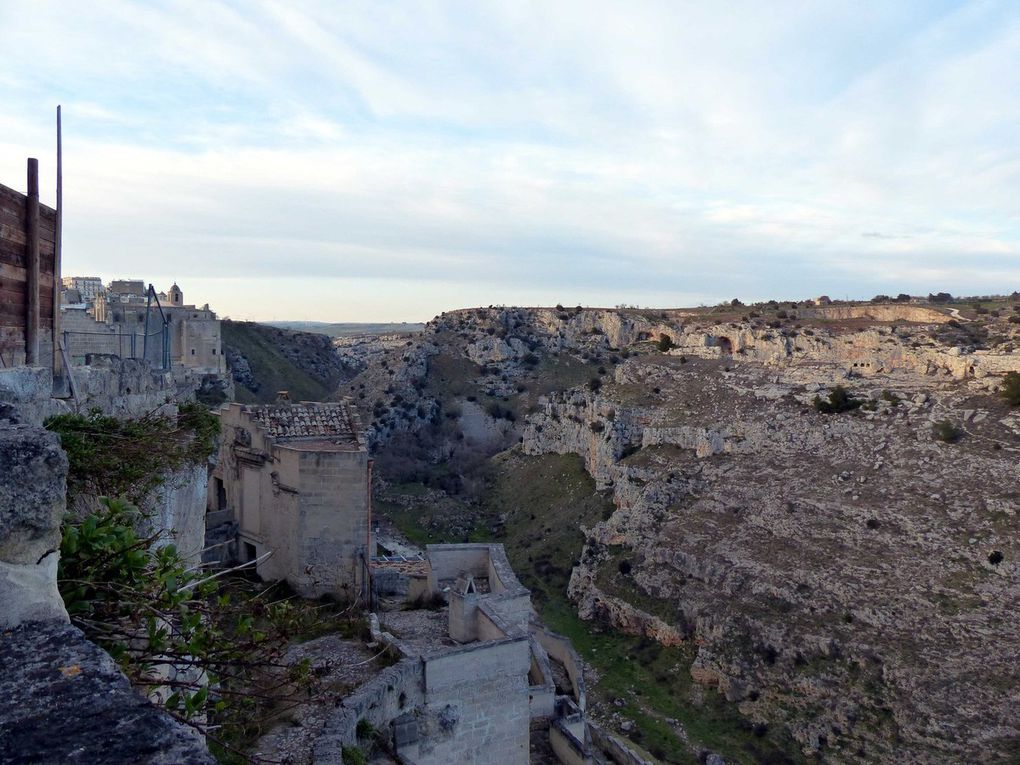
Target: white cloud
pixel 482 151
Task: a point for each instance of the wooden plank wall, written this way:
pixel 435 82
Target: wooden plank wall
pixel 14 271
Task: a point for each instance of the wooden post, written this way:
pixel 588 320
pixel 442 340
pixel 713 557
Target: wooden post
pixel 32 267
pixel 57 361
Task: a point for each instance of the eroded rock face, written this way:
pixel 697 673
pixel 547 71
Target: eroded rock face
pixel 835 570
pixel 65 700
pixel 33 474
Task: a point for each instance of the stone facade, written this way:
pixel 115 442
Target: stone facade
pixel 295 478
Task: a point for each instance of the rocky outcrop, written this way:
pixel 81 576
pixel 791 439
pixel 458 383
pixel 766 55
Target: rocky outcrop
pixel 176 511
pixel 66 701
pixel 827 586
pixel 33 474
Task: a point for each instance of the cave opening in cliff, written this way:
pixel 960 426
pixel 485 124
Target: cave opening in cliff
pixel 725 345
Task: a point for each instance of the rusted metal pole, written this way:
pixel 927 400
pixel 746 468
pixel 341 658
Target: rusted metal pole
pixel 57 235
pixel 32 266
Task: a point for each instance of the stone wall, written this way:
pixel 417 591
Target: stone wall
pixel 130 387
pixel 562 650
pixel 616 749
pixel 394 692
pixel 476 706
pixel 447 562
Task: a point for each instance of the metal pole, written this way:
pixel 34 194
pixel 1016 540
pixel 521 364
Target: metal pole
pixel 32 266
pixel 57 243
pixel 145 339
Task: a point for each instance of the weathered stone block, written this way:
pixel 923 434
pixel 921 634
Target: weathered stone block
pixel 33 476
pixel 25 394
pixel 66 701
pixel 28 592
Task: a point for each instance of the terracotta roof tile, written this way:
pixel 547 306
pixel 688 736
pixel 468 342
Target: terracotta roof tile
pixel 329 421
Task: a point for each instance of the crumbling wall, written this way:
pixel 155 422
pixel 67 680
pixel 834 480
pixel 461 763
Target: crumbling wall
pixel 25 395
pixel 394 692
pixel 130 387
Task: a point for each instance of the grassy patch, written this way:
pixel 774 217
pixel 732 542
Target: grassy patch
pixel 273 370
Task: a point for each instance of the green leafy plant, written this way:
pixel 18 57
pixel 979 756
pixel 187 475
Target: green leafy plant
pixel 209 648
pixel 892 398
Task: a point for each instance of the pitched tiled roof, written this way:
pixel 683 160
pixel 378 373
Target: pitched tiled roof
pixel 327 421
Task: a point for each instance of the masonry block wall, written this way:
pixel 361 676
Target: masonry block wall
pixel 477 706
pixel 333 531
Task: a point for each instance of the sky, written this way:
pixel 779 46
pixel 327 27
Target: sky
pixel 386 161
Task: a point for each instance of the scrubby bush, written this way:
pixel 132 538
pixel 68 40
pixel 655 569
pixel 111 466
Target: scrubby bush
pixel 1011 388
pixel 946 432
pixel 665 342
pixel 995 558
pixel 839 400
pixel 595 385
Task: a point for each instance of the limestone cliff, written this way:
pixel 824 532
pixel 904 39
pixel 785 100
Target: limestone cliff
pixel 850 576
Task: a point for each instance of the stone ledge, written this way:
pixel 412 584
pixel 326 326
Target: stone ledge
pixel 66 701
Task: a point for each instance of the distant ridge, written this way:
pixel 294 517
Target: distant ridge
pixel 346 329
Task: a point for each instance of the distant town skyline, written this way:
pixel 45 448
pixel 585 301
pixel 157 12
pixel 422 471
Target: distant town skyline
pixel 377 161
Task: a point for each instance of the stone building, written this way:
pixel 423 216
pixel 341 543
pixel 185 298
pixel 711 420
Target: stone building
pixel 476 679
pixel 295 479
pixel 117 325
pixel 88 287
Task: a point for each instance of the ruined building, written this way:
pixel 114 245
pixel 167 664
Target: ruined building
pixel 295 479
